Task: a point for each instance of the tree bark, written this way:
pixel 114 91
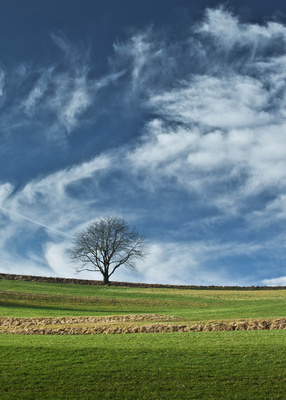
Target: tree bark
pixel 105 279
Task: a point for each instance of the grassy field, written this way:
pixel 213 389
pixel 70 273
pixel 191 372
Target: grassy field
pixel 215 365
pixel 33 299
pixel 195 365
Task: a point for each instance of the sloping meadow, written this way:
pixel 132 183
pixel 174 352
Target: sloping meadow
pixel 67 309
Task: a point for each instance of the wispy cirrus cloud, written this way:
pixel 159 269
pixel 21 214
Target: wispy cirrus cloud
pixel 46 211
pixel 38 91
pixel 223 127
pixel 228 31
pixel 62 92
pixel 48 199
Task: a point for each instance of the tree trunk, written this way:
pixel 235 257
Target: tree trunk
pixel 105 279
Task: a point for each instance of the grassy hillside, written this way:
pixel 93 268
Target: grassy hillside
pixel 34 299
pixel 185 365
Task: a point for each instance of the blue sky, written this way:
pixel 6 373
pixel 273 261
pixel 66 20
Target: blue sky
pixel 170 114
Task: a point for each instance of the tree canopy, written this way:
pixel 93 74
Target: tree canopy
pixel 105 245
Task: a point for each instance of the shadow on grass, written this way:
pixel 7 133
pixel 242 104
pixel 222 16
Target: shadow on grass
pixel 77 309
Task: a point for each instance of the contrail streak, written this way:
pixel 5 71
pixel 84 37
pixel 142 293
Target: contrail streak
pixel 35 222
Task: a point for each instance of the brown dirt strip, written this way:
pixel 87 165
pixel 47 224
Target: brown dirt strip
pixel 126 324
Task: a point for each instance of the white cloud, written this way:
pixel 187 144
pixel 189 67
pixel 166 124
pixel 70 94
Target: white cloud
pixel 189 264
pixel 19 265
pixel 147 64
pixel 47 200
pixel 229 31
pixel 72 99
pixel 5 190
pixel 63 43
pixel 57 261
pixel 281 281
pixel 38 91
pixel 134 55
pixel 2 82
pixel 225 102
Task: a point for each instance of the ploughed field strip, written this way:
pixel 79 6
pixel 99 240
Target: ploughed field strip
pixel 142 323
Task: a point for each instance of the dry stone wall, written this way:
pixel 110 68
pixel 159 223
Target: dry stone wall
pixel 128 284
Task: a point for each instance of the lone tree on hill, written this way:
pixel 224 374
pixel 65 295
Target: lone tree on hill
pixel 106 244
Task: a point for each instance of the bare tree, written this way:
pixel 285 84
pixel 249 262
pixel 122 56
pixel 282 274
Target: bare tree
pixel 105 245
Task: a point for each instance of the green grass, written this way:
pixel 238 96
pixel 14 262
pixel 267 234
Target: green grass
pixel 215 365
pixel 34 299
pixel 204 365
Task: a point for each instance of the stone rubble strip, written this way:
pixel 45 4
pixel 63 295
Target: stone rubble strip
pixel 104 325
